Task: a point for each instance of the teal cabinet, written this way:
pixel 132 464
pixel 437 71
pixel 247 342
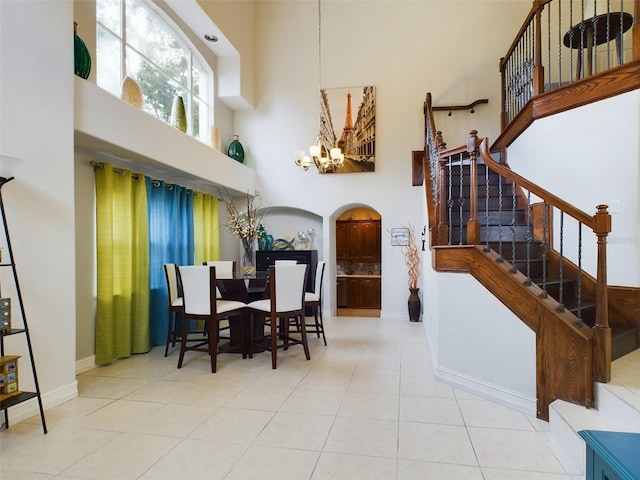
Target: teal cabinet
pixel 612 455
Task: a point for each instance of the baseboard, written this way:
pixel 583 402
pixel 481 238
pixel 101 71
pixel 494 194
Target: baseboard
pixel 396 315
pixel 504 396
pixel 28 409
pixel 85 364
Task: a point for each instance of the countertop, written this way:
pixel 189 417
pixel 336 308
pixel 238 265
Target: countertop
pixel 362 275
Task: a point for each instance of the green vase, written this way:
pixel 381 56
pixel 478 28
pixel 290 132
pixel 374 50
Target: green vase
pixel 235 150
pixel 81 57
pixel 179 114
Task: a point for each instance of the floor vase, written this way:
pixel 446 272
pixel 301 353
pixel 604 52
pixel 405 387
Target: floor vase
pixel 414 305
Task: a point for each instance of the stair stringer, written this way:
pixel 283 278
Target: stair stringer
pixel 563 347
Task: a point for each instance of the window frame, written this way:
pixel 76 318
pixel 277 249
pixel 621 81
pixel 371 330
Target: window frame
pixel 204 96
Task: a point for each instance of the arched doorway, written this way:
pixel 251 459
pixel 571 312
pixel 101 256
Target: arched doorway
pixel 358 262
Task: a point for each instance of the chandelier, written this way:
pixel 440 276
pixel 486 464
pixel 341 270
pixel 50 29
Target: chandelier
pixel 326 159
pixel 318 157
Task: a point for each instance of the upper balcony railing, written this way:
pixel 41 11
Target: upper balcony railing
pixel 563 41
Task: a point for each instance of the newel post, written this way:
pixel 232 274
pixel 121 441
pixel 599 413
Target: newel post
pixel 601 330
pixel 538 69
pixel 473 227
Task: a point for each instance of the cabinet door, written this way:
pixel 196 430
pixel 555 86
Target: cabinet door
pixel 363 293
pixel 341 241
pixel 342 292
pixel 370 293
pixel 366 242
pixel 353 241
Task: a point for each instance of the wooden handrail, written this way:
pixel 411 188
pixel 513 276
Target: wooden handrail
pixel 537 7
pixel 527 47
pixel 547 196
pixel 444 108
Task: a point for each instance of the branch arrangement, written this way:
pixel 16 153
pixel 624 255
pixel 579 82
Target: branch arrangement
pixel 244 225
pixel 412 258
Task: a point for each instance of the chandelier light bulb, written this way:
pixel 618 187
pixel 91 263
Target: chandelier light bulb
pixel 314 150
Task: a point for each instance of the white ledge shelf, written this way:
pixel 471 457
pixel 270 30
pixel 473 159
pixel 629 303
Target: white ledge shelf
pixel 109 129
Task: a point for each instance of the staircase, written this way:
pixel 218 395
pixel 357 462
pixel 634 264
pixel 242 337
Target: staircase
pixel 507 228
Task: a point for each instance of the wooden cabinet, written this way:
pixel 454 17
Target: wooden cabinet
pixel 264 258
pixel 363 292
pixel 358 240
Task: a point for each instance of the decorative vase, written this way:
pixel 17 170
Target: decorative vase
pixel 269 243
pixel 235 150
pixel 131 93
pixel 262 238
pixel 179 114
pixel 248 266
pixel 414 305
pixel 214 138
pixel 81 57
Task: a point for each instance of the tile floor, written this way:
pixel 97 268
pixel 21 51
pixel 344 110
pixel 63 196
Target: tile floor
pixel 367 406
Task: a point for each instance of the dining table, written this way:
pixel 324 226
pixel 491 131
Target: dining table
pixel 244 288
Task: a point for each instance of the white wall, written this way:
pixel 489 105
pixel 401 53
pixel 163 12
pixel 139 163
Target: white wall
pixel 405 49
pixel 592 156
pixel 36 143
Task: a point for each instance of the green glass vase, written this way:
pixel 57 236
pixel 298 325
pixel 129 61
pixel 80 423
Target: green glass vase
pixel 81 57
pixel 235 150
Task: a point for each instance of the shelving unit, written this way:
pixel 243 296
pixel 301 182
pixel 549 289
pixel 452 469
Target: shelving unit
pixel 8 401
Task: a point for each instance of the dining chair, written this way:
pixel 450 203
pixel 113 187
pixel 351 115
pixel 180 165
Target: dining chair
pixel 285 302
pixel 224 268
pixel 314 301
pixel 175 305
pixel 200 303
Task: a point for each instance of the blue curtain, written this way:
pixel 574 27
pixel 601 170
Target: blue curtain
pixel 170 209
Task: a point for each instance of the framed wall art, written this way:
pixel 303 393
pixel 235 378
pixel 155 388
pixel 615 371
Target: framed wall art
pixel 399 237
pixel 348 121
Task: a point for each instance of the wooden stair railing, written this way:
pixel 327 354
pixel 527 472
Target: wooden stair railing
pixel 539 61
pixel 570 354
pixel 600 224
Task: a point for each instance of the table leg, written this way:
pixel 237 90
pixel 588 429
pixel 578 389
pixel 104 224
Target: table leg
pixel 588 70
pixel 619 47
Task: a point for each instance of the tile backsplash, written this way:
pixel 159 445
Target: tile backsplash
pixel 357 268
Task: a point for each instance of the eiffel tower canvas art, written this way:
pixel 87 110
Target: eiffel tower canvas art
pixel 348 121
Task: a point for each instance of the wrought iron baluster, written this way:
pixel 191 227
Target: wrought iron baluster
pixel 544 246
pixel 559 30
pixel 500 256
pixel 486 208
pixel 513 228
pixel 528 238
pixel 461 202
pixel 579 312
pixel 561 285
pixel 450 201
pixel 571 35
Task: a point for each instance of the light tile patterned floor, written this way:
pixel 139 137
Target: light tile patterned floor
pixel 367 406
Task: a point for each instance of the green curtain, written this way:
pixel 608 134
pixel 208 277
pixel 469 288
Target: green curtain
pixel 122 311
pixel 206 228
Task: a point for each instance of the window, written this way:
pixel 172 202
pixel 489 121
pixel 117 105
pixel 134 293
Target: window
pixel 134 38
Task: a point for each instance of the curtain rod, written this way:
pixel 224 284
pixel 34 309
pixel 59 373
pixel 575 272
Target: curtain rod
pixel 154 182
pixel 117 170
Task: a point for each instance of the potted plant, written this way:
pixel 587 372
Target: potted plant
pixel 412 260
